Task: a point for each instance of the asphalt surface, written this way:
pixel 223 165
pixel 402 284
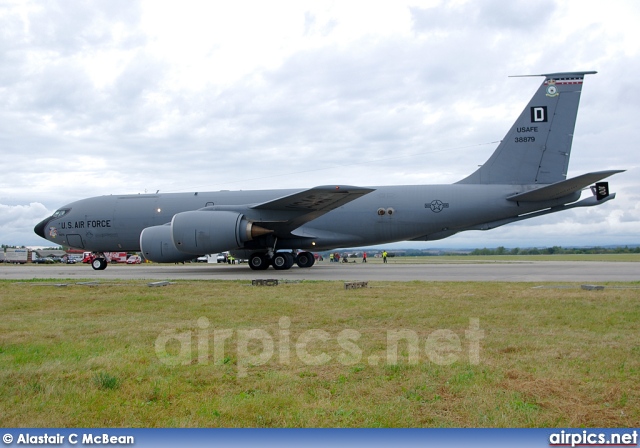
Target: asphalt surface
pixel 526 271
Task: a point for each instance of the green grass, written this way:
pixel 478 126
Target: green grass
pixel 105 381
pixel 185 355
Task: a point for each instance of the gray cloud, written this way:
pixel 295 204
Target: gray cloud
pixel 90 106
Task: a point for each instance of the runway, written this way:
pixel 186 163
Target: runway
pixel 525 271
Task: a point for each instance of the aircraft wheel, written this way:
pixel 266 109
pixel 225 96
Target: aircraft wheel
pixel 99 264
pixel 305 259
pixel 282 261
pixel 259 262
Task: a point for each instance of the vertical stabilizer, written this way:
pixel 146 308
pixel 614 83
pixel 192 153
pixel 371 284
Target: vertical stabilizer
pixel 536 149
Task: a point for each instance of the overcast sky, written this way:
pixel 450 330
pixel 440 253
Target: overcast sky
pixel 112 97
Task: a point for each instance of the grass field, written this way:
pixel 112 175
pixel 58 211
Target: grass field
pixel 311 354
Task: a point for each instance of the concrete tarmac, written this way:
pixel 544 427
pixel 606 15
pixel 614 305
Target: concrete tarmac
pixel 525 271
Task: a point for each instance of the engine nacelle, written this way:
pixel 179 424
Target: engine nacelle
pixel 156 245
pixel 206 232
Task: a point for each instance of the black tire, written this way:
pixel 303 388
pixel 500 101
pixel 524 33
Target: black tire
pixel 282 261
pixel 305 259
pixel 259 262
pixel 99 264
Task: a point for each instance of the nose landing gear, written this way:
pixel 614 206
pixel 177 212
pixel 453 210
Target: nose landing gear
pixel 99 263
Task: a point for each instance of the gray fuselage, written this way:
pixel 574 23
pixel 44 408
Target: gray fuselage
pixel 388 214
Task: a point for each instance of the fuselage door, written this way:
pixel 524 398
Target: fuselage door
pixel 75 240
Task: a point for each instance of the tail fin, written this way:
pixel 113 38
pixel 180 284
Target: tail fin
pixel 536 149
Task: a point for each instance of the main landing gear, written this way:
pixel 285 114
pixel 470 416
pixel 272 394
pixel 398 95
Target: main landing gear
pixel 280 261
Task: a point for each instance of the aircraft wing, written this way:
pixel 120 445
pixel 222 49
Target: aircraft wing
pixel 562 188
pixel 299 208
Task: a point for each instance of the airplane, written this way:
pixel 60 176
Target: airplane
pixel 525 177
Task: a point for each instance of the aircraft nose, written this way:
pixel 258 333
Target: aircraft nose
pixel 39 228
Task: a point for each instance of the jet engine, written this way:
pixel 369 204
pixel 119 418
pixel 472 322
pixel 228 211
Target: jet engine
pixel 156 245
pixel 206 232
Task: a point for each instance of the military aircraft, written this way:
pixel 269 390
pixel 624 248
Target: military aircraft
pixel 525 177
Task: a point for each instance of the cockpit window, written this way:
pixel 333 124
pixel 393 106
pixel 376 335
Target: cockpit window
pixel 60 212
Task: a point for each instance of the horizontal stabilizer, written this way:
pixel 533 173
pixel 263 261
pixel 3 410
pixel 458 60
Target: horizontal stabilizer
pixel 562 188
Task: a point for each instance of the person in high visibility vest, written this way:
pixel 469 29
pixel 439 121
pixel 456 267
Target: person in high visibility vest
pixel 384 256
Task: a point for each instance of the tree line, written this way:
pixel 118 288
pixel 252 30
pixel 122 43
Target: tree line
pixel 556 250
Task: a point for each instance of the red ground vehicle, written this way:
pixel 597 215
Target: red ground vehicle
pixel 116 257
pixel 88 257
